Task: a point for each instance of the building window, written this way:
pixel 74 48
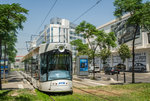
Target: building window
pixel 67 35
pixel 17 60
pixel 64 30
pixel 48 30
pixel 64 38
pixel 71 37
pixel 51 34
pixel 59 34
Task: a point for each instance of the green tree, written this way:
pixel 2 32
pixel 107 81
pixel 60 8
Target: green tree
pixel 82 49
pixel 104 54
pixel 124 52
pixel 80 46
pixel 11 19
pixel 7 44
pixel 139 13
pixel 105 42
pixel 89 31
pixel 95 39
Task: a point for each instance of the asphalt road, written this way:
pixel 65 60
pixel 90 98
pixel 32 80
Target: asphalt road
pixel 139 77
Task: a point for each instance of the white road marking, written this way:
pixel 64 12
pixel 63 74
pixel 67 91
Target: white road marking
pixel 96 83
pixel 20 86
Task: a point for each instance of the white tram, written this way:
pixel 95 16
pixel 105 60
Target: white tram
pixel 49 67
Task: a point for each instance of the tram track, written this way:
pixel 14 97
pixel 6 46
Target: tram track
pixel 99 90
pixel 99 96
pixel 51 98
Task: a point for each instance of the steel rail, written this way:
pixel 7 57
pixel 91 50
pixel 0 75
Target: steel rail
pixel 99 89
pixel 52 98
pixel 93 94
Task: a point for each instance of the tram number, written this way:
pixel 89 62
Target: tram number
pixel 61 83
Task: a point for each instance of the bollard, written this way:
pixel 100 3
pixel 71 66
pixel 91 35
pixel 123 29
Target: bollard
pixel 117 76
pixel 124 77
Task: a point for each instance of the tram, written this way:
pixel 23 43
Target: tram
pixel 49 67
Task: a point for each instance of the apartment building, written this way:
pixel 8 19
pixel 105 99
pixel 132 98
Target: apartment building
pixel 124 33
pixel 58 31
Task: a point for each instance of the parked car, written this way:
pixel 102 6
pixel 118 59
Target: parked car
pixel 106 65
pixel 121 67
pixel 97 69
pixel 111 70
pixel 138 67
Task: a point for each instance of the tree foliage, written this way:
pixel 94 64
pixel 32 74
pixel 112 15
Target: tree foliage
pixel 11 18
pixel 104 54
pixel 145 13
pixel 88 30
pixel 79 45
pixel 124 52
pixel 82 49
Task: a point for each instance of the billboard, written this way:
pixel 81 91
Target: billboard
pixel 83 64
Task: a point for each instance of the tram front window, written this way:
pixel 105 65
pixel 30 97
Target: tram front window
pixel 59 66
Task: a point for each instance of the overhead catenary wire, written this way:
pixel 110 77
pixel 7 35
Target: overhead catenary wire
pixel 87 11
pixel 73 20
pixel 47 15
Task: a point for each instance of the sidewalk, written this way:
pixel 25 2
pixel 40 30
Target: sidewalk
pixel 15 81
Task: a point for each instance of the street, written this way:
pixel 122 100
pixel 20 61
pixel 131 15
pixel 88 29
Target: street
pixel 139 77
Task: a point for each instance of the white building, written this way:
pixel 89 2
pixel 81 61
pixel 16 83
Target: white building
pixel 123 33
pixel 18 63
pixel 58 31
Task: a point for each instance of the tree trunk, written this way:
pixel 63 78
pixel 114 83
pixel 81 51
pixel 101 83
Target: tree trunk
pixel 0 63
pixel 93 66
pixel 4 63
pixel 133 54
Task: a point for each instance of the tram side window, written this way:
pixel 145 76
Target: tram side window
pixel 35 68
pixel 26 63
pixel 43 67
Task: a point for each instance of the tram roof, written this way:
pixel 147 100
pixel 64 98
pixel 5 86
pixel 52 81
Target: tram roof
pixel 46 47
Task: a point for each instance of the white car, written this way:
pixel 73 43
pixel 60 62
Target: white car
pixel 97 69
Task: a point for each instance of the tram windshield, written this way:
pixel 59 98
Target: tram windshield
pixel 58 65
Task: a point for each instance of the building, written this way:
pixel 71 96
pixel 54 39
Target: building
pixel 18 63
pixel 58 31
pixel 123 33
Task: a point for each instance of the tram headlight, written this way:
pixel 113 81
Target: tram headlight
pixel 61 48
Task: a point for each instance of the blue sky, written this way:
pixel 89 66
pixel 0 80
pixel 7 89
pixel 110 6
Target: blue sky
pixel 68 9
